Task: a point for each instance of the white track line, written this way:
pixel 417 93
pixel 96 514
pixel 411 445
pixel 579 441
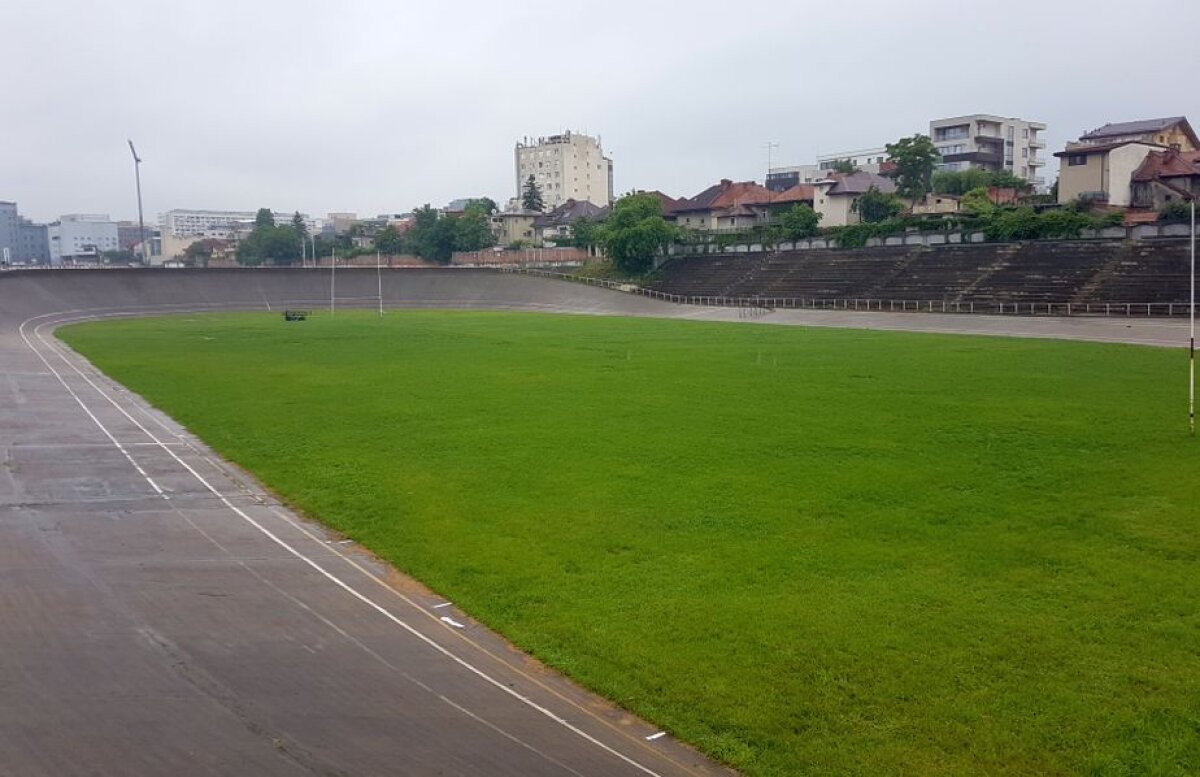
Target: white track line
pixel 295 552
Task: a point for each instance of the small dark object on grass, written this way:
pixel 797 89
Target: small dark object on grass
pixel 295 315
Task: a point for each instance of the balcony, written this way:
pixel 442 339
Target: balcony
pixel 1036 162
pixel 976 157
pixel 1037 143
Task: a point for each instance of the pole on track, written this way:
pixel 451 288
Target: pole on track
pixel 332 279
pixel 379 279
pixel 1192 331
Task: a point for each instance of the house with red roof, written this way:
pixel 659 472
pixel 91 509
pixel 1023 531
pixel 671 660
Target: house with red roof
pixel 1164 177
pixel 731 205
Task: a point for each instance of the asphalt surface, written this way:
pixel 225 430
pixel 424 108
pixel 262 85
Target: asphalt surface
pixel 160 613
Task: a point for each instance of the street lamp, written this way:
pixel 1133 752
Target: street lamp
pixel 137 174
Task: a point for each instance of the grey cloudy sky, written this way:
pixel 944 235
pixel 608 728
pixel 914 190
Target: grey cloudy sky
pixel 377 107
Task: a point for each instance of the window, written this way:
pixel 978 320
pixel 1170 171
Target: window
pixel 1025 153
pixel 1025 133
pixel 1074 160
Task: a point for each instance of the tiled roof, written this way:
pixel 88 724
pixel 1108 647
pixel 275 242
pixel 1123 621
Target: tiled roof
pixel 727 194
pixel 801 192
pixel 860 183
pixel 1168 164
pixel 1101 147
pixel 567 213
pixel 1121 129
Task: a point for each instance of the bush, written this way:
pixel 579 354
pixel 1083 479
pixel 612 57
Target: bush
pixel 1175 211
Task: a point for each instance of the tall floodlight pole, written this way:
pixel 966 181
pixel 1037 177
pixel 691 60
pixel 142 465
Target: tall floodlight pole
pixel 332 279
pixel 137 175
pixel 379 279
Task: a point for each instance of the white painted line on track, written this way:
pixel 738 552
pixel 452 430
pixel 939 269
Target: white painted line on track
pixel 451 622
pixel 289 548
pixel 443 604
pixel 653 737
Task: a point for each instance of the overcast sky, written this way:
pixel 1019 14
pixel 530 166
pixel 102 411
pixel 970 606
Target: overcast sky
pixel 377 107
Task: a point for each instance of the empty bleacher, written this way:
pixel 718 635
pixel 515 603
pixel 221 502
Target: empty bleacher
pixel 1035 272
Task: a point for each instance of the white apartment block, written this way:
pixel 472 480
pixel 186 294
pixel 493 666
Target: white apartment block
pixel 569 166
pixel 866 159
pixel 986 142
pixel 217 223
pixel 79 235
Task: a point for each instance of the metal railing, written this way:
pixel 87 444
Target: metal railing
pixel 875 304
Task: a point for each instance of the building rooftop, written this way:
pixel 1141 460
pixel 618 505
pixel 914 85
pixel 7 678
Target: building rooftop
pixel 858 183
pixel 1140 127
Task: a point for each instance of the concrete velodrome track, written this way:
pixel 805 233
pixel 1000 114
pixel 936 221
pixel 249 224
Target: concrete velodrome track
pixel 161 614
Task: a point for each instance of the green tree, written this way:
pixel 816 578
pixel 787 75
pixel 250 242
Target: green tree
pixel 977 203
pixel 199 252
pixel 1175 211
pixel 486 204
pixel 432 236
pixel 959 182
pixel 586 233
pixel 845 166
pixel 389 241
pixel 299 226
pixel 636 232
pixel 268 243
pixel 531 197
pixel 799 221
pixel 874 206
pixel 1006 179
pixel 473 229
pixel 915 159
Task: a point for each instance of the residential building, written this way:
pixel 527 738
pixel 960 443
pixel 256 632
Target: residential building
pixel 730 205
pixel 10 227
pixel 1171 132
pixel 82 237
pixel 1101 172
pixel 834 196
pixel 511 227
pixel 781 178
pixel 202 223
pixel 986 142
pixel 569 166
pixel 556 225
pixel 33 243
pixel 1166 176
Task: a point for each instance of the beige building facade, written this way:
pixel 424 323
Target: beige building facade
pixel 569 166
pixel 514 227
pixel 1101 172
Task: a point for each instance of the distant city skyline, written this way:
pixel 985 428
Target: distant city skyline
pixel 345 108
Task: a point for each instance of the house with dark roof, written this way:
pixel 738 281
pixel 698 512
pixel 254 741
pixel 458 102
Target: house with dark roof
pixel 834 197
pixel 556 225
pixel 1166 176
pixel 1171 132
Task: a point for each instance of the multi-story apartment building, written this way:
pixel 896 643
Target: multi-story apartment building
pixel 569 166
pixel 21 241
pixel 9 230
pixel 82 236
pixel 33 243
pixel 203 223
pixel 986 142
pixel 868 160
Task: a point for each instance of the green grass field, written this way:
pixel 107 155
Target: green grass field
pixel 807 551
